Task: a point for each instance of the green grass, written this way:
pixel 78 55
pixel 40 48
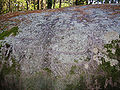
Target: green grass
pixel 72 71
pixel 39 81
pixel 7 33
pixel 76 61
pixel 48 70
pixel 78 84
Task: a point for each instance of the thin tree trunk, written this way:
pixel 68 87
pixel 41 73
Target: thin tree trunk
pixel 107 1
pixel 54 3
pixel 18 5
pixel 9 5
pixel 76 2
pixel 86 2
pixel 1 6
pixel 41 4
pixel 38 4
pixel 34 4
pixel 60 4
pixel 15 8
pixel 91 1
pixel 27 5
pixel 49 4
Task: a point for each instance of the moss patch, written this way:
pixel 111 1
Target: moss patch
pixel 9 70
pixel 7 33
pixel 73 68
pixel 48 70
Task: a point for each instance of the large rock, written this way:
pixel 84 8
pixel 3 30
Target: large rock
pixel 61 38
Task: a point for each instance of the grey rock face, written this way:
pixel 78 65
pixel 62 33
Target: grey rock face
pixel 56 39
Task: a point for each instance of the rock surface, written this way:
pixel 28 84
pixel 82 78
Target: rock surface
pixel 59 39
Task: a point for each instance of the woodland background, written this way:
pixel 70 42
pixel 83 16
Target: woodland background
pixel 22 5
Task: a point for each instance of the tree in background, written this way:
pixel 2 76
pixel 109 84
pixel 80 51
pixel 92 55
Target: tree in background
pixel 86 2
pixel 54 3
pixel 1 6
pixel 38 1
pixel 49 4
pixel 60 3
pixel 9 5
pixel 27 4
pixel 41 4
pixel 76 2
pixel 106 1
pixel 19 5
pixel 91 1
pixel 34 4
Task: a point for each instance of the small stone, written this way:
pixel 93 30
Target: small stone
pixel 99 62
pixel 106 59
pixel 86 66
pixel 113 62
pixel 10 62
pixel 104 50
pixel 113 51
pixel 95 50
pixel 95 57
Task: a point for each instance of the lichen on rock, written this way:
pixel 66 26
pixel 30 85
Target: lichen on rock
pixel 56 39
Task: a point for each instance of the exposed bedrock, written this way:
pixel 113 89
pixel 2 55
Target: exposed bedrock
pixel 59 39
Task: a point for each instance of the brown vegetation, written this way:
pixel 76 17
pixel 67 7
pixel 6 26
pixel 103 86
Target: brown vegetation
pixel 5 17
pixel 107 7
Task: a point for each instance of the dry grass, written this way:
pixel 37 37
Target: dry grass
pixel 104 6
pixel 6 17
pixel 114 13
pixel 107 7
pixel 80 10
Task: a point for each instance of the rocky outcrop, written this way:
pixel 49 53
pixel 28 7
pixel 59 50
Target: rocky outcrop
pixel 63 38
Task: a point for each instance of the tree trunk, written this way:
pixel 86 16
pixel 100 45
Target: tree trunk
pixel 38 4
pixel 118 1
pixel 76 2
pixel 9 5
pixel 60 4
pixel 54 3
pixel 27 5
pixel 18 5
pixel 15 5
pixel 34 4
pixel 91 1
pixel 41 4
pixel 107 1
pixel 86 2
pixel 49 6
pixel 1 6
